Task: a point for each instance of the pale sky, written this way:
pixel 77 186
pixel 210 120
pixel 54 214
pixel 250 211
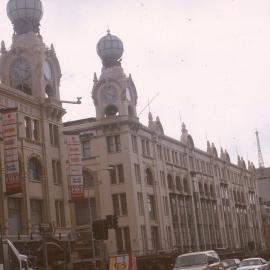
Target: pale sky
pixel 209 60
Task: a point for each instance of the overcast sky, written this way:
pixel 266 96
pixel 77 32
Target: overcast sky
pixel 209 60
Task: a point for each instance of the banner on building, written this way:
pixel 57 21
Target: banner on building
pixel 75 167
pixel 11 158
pixel 121 262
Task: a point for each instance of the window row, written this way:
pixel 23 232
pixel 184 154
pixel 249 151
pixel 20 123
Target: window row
pixel 36 212
pixel 32 128
pixel 34 171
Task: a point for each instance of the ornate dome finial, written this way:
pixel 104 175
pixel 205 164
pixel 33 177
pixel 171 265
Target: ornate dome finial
pixel 25 15
pixel 110 49
pixel 184 130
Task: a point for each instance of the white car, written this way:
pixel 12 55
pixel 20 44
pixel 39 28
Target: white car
pixel 253 264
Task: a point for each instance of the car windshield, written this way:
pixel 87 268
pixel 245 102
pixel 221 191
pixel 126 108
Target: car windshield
pixel 250 262
pixel 230 262
pixel 189 260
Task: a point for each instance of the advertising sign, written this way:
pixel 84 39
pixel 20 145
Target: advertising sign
pixel 120 262
pixel 11 158
pixel 75 167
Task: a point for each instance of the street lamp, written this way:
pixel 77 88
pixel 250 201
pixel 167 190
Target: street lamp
pixel 91 218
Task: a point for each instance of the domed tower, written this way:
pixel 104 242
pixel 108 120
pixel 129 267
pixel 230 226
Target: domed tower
pixel 25 15
pixel 114 93
pixel 29 66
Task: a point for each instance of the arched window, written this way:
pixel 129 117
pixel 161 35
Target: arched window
pixel 170 181
pixel 206 191
pixel 49 91
pixel 111 111
pixel 34 170
pixel 130 111
pixel 149 177
pixel 201 189
pixel 185 182
pixel 212 192
pixel 88 179
pixel 178 183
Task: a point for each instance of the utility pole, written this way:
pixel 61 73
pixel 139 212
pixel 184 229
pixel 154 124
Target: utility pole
pixel 260 157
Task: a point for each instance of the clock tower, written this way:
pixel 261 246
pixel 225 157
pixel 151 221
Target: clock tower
pixel 30 77
pixel 114 93
pixel 29 66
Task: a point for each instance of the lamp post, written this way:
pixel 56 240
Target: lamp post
pixel 91 218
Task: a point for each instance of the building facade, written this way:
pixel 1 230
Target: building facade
pixel 33 189
pixel 263 183
pixel 168 195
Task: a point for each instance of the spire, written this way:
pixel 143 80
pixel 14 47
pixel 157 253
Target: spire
pixel 260 156
pixel 3 47
pixel 184 130
pixel 52 48
pixel 95 77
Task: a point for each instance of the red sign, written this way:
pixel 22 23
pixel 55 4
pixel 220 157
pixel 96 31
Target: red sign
pixel 75 167
pixel 11 158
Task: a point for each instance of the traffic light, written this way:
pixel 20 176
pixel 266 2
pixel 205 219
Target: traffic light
pixel 100 229
pixel 112 221
pixel 115 222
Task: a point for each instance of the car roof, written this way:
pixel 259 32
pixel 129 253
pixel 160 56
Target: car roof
pixel 255 258
pixel 197 253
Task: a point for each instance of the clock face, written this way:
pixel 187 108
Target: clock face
pixel 128 94
pixel 109 94
pixel 47 70
pixel 20 69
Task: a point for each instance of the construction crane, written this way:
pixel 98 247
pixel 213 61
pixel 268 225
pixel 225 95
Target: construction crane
pixel 260 157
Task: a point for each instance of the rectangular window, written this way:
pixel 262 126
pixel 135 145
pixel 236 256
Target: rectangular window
pixel 113 143
pixel 147 144
pixel 159 150
pixel 117 175
pixel 191 163
pixel 119 241
pixel 123 240
pixel 119 202
pixel 85 211
pixel 36 211
pixel 134 143
pixel 36 130
pixel 127 239
pixel 113 175
pixel 143 147
pixel 169 236
pixel 140 203
pixel 116 206
pixel 54 135
pixel 28 127
pixel 110 145
pixel 168 155
pixel 86 149
pixel 166 206
pixel 60 214
pixel 14 216
pixel 151 206
pixel 120 172
pixel 155 237
pixel 162 178
pixel 123 201
pixel 56 170
pixel 144 237
pixel 137 173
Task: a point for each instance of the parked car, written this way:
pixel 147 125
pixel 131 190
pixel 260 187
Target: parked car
pixel 225 265
pixel 198 260
pixel 233 263
pixel 253 264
